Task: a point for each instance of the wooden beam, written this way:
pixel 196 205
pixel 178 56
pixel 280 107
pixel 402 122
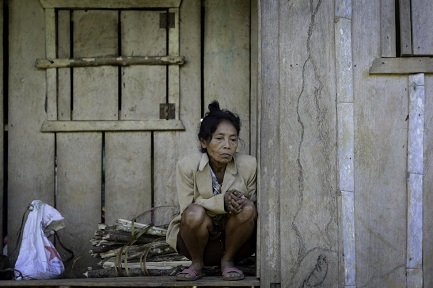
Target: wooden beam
pixel 110 4
pixel 91 126
pixel 402 65
pixel 109 61
pixel 147 281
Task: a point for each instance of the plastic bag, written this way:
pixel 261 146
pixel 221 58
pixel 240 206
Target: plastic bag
pixel 38 258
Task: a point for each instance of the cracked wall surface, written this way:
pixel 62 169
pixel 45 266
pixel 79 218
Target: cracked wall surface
pixel 308 186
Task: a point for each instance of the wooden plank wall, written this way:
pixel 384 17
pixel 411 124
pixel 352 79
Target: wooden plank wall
pixel 227 59
pixel 135 163
pixel 254 74
pixel 405 24
pixel 2 90
pixel 30 153
pixel 380 111
pixel 169 147
pixel 308 199
pixel 270 252
pixel 428 185
pixel 79 155
pixel 128 155
pixel 299 234
pixel 166 152
pixel 387 28
pixel 422 21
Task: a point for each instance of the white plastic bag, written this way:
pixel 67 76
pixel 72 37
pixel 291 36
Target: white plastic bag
pixel 38 258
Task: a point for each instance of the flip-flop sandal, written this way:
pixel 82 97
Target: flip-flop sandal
pixel 191 274
pixel 227 271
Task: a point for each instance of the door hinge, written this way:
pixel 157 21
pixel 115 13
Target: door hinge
pixel 166 20
pixel 167 111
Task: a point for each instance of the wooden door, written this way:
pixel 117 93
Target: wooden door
pixel 107 174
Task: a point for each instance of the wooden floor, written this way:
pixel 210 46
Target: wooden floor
pixel 149 281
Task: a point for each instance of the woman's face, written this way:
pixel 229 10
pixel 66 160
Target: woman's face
pixel 223 143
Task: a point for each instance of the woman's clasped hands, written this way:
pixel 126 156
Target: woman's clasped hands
pixel 233 201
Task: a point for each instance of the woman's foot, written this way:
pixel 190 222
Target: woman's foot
pixel 230 272
pixel 189 274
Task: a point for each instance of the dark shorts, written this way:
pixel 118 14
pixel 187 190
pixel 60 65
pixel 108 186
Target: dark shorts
pixel 215 248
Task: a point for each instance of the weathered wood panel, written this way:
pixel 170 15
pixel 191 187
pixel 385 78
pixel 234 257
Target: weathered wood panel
pixel 165 143
pixel 165 156
pixel 190 89
pixel 111 125
pixel 143 87
pixel 254 90
pixel 183 143
pixel 168 148
pixel 415 170
pixel 129 159
pixel 79 193
pixel 428 185
pixel 173 73
pixel 30 153
pixel 227 59
pixel 345 142
pixel 307 154
pixel 402 65
pixel 387 28
pixel 269 140
pixel 80 154
pixel 50 52
pixel 127 175
pixel 380 111
pixel 64 109
pixel 405 27
pixel 3 212
pixel 254 76
pixel 422 21
pixel 95 34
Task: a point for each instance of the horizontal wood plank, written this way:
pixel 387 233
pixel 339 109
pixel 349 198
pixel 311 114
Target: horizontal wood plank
pixel 109 61
pixel 130 125
pixel 149 281
pixel 113 4
pixel 402 65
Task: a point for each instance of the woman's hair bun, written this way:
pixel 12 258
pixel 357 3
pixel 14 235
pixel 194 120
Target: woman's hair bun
pixel 214 106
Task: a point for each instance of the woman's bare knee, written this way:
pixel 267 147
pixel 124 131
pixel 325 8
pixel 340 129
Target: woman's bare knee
pixel 248 213
pixel 194 215
pixel 249 210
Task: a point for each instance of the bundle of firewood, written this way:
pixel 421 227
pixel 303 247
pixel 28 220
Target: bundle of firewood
pixel 133 249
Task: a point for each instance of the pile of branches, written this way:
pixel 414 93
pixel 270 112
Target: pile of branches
pixel 134 249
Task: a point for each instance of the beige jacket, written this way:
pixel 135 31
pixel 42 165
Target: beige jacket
pixel 194 185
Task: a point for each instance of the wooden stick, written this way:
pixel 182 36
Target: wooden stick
pixel 109 61
pixel 104 273
pixel 165 265
pixel 157 249
pixel 127 225
pixel 121 236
